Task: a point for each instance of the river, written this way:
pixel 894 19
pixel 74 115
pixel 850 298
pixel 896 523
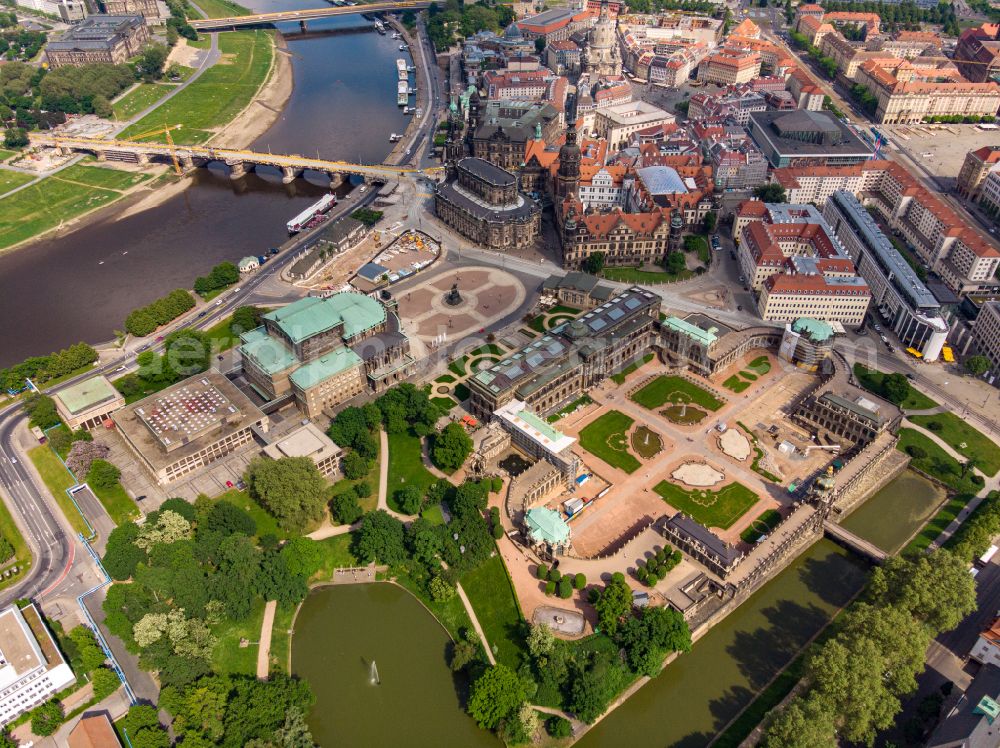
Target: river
pixel 340 631
pixel 82 285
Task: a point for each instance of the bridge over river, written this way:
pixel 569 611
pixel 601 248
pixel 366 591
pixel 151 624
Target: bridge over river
pixel 239 162
pixel 264 19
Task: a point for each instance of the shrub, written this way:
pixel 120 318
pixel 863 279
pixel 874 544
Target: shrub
pixel 497 483
pixel 542 572
pixel 82 454
pixel 559 727
pixel 497 531
pixel 661 556
pixel 550 587
pixel 641 574
pixel 555 575
pixel 977 480
pixel 579 581
pixel 934 425
pixel 593 595
pixel 661 572
pixel 916 451
pixel 46 718
pixel 565 587
pixel 103 474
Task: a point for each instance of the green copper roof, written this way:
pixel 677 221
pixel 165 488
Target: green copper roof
pixel 311 316
pixel 325 367
pixel 705 337
pixel 547 526
pixel 814 328
pixel 270 355
pixel 86 394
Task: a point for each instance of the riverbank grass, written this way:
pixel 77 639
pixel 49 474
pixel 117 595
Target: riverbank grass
pixel 406 466
pixel 221 92
pixel 57 479
pixel 677 390
pixel 489 590
pixel 222 8
pixel 605 438
pixel 10 180
pixel 719 508
pixel 139 98
pixel 964 439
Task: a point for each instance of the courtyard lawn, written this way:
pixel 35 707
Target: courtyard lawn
pixel 736 384
pixel 936 462
pixel 538 323
pixel 760 366
pixel 489 590
pixel 700 245
pixel 57 479
pixel 46 204
pixel 956 432
pixel 98 176
pixel 871 379
pixel 221 92
pixel 445 379
pixel 605 438
pixel 139 98
pixel 635 275
pixel 580 402
pixel 558 319
pixel 117 503
pixel 10 180
pixel 673 389
pixel 560 309
pixel 711 508
pixel 684 415
pixel 619 378
pixel 937 524
pixel 461 392
pixel 762 525
pixel 445 403
pixel 406 466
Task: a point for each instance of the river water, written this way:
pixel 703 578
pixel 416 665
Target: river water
pixel 82 285
pixel 339 631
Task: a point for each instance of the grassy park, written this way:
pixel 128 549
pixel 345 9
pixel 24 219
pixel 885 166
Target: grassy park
pixel 677 390
pixel 605 438
pixel 406 466
pixel 929 458
pixel 221 92
pixel 871 379
pixel 492 596
pixel 10 180
pixel 719 508
pixel 955 432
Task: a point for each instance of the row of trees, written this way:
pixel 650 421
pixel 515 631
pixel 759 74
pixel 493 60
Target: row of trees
pixel 906 15
pixel 688 6
pixel 144 320
pixel 855 680
pixel 190 567
pixel 827 64
pixel 222 275
pixel 42 369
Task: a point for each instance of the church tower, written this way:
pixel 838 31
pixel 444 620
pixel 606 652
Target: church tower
pixel 568 176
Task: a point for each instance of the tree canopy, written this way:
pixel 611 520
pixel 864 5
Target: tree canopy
pixel 291 489
pixel 495 696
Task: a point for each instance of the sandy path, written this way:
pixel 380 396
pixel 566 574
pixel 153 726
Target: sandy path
pixel 264 648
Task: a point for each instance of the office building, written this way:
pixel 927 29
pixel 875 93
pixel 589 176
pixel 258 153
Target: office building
pixel 806 138
pixel 308 441
pixel 31 667
pixel 902 300
pixel 976 167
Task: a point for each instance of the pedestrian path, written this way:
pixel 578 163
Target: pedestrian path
pixel 264 646
pixel 475 623
pixel 383 479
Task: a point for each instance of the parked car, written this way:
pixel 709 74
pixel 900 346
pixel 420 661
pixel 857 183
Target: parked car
pixel 229 484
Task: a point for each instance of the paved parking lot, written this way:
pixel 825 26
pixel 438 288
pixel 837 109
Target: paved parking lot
pixel 940 148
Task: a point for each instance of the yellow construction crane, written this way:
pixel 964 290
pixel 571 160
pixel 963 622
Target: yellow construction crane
pixel 165 131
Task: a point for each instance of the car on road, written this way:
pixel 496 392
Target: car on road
pixel 236 291
pixel 13 460
pixel 743 279
pixel 159 338
pixel 877 328
pixel 120 368
pixel 229 484
pixel 142 348
pixel 201 314
pixel 273 250
pixel 219 302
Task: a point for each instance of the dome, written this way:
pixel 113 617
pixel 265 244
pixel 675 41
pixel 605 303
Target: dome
pixel 513 33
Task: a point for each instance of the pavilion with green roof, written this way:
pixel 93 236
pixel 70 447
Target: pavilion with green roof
pixel 547 528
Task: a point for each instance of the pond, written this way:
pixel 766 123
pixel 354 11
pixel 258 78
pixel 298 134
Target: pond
pixel 514 464
pixel 890 517
pixel 339 631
